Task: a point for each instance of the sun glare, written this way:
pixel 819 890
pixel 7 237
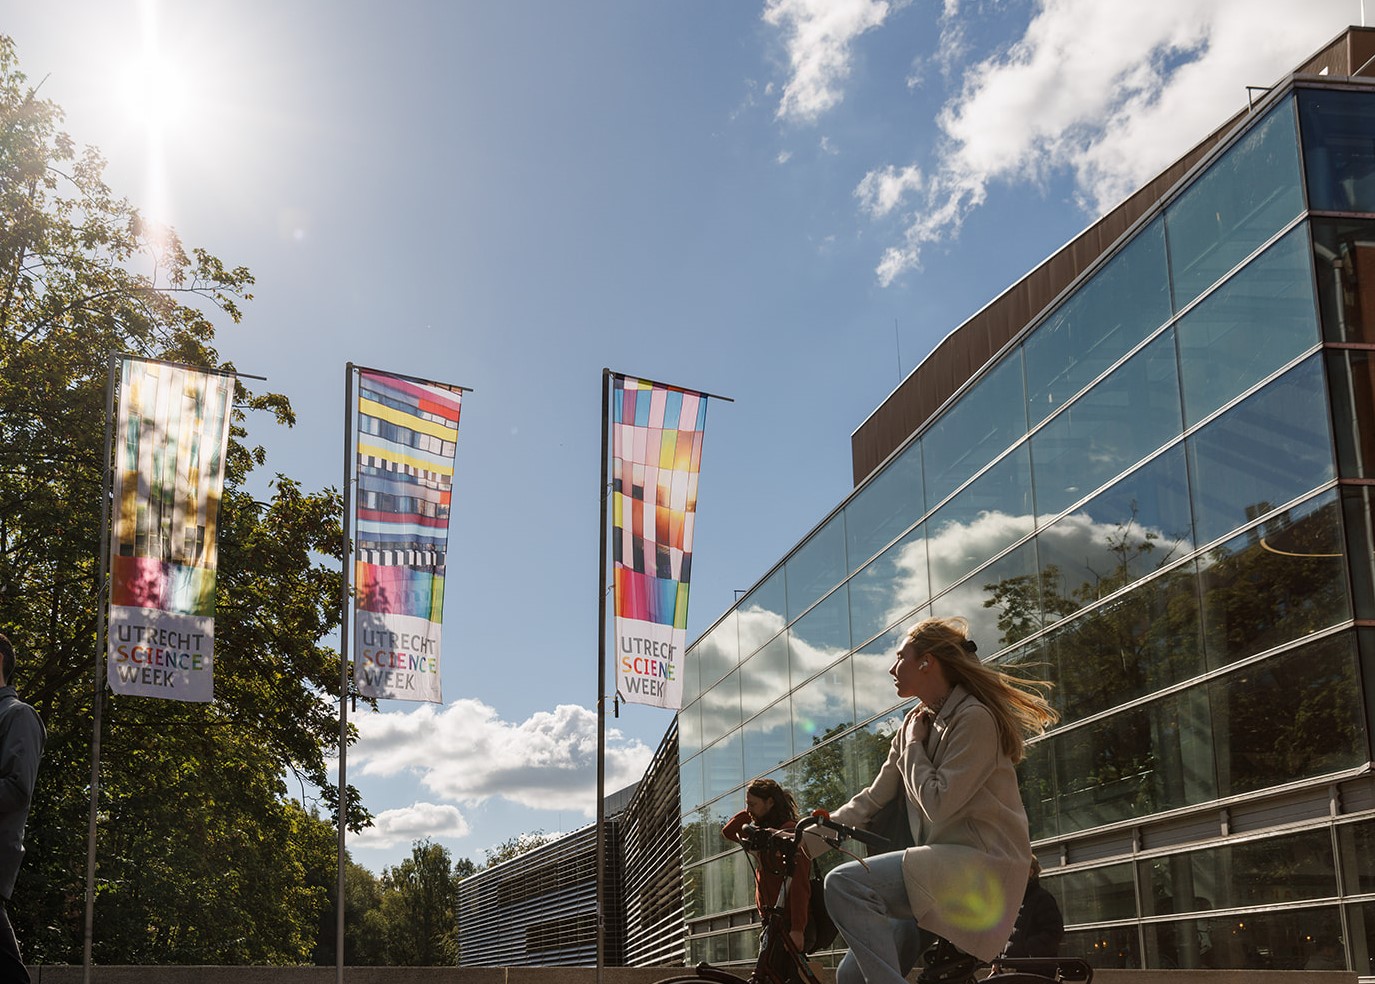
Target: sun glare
pixel 155 92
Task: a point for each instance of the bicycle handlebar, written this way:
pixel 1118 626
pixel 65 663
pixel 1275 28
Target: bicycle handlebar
pixel 759 838
pixel 820 817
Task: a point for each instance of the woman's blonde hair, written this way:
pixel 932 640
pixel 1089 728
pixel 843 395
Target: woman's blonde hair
pixel 1018 703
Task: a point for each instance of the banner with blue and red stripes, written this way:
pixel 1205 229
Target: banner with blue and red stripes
pixel 406 441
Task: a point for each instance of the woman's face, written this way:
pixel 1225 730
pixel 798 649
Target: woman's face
pixel 916 675
pixel 758 806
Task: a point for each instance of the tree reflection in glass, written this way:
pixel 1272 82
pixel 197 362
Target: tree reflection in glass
pixel 1277 582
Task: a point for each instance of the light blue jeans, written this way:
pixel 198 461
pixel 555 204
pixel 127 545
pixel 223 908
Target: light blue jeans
pixel 870 908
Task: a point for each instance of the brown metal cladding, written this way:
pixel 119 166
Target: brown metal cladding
pixel 969 348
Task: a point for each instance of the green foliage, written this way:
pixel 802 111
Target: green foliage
pixel 202 857
pixel 514 847
pixel 362 894
pixel 408 917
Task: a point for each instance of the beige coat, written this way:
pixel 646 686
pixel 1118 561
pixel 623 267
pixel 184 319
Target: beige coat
pixel 966 876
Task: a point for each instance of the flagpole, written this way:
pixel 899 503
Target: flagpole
pixel 101 593
pixel 601 685
pixel 344 675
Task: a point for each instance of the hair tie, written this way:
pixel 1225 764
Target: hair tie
pixel 969 646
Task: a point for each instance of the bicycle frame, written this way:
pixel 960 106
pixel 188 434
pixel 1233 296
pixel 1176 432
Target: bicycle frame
pixel 779 958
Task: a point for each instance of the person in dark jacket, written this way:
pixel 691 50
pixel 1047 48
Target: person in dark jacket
pixel 1040 927
pixel 21 745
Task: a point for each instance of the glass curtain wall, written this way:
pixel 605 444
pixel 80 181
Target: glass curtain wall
pixel 1141 501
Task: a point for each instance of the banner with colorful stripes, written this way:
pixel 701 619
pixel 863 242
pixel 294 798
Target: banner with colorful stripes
pixel 172 431
pixel 656 452
pixel 407 434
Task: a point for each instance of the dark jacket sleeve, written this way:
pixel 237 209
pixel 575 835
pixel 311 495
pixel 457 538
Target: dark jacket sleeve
pixel 19 753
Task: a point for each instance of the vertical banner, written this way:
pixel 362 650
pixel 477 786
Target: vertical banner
pixel 656 452
pixel 171 434
pixel 407 434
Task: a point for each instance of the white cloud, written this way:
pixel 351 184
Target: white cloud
pixel 1108 94
pixel 465 753
pixel 883 190
pixel 409 824
pixel 819 35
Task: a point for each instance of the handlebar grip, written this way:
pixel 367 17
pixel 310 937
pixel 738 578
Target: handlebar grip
pixel 823 819
pixel 864 836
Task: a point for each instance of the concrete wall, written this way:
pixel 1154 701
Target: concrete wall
pixel 580 975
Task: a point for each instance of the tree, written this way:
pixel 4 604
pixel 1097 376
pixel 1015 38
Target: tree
pixel 514 847
pixel 203 858
pixel 418 912
pixel 362 894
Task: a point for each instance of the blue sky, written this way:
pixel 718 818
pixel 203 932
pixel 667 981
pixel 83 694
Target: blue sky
pixel 788 202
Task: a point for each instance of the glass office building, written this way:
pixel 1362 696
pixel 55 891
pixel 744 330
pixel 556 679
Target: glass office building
pixel 1155 492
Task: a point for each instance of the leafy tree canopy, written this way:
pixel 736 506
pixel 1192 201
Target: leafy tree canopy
pixel 203 857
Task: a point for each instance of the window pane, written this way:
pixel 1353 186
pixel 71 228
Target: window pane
pixel 721 708
pixel 819 778
pixel 987 517
pixel 1002 602
pixel 1123 303
pixel 817 566
pixel 822 704
pixel 723 767
pixel 1243 199
pixel 1338 155
pixel 694 827
pixel 1275 583
pixel 768 741
pixel 1036 781
pixel 1271 448
pixel 690 782
pixel 891 587
pixel 764 677
pixel 1145 760
pixel 1096 895
pixel 874 691
pixel 1258 940
pixel 690 668
pixel 1137 526
pixel 867 749
pixel 1352 375
pixel 1356 842
pixel 885 507
pixel 1289 717
pixel 1142 642
pixel 1344 255
pixel 1360 941
pixel 983 424
pixel 762 614
pixel 820 637
pixel 1249 327
pixel 1107 946
pixel 717 652
pixel 727 883
pixel 1118 422
pixel 1358 507
pixel 690 730
pixel 1253 873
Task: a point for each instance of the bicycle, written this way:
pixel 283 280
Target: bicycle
pixel 944 963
